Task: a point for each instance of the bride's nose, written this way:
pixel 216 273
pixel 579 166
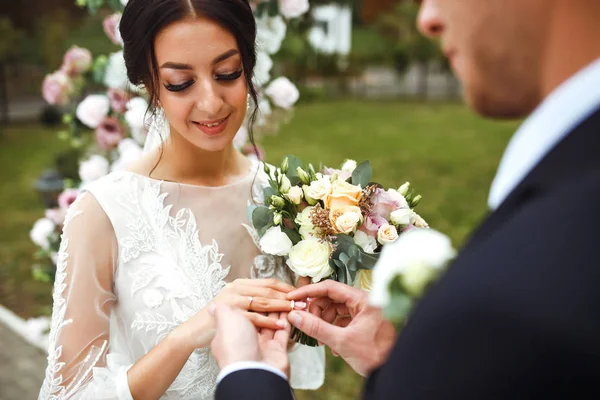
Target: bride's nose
pixel 209 100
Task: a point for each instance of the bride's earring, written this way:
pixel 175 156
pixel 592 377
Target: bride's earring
pixel 248 100
pixel 160 121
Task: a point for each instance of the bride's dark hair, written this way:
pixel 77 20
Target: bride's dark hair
pixel 142 20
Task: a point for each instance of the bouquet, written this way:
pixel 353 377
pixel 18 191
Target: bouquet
pixel 331 224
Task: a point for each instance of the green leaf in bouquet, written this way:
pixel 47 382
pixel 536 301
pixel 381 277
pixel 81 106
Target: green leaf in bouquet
pixel 268 192
pixel 293 235
pixel 250 211
pixel 362 174
pixel 261 217
pixel 292 172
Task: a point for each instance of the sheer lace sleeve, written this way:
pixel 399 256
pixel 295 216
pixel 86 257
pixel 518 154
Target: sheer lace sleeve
pixel 79 366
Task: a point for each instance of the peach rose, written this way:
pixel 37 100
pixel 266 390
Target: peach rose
pixel 345 219
pixel 343 194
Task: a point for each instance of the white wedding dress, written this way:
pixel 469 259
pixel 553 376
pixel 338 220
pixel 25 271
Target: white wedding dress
pixel 138 257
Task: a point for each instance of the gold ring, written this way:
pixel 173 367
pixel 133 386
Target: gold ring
pixel 292 304
pixel 250 303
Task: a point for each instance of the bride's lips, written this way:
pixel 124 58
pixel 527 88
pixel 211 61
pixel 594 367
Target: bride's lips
pixel 212 128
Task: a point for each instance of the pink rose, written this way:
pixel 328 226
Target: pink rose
pixel 67 198
pixel 118 100
pixel 56 215
pixel 92 110
pixel 57 88
pixel 77 60
pixel 109 133
pixel 386 202
pixel 373 222
pixel 111 26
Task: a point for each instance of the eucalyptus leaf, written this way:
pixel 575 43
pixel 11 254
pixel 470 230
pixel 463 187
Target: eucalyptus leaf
pixel 261 217
pixel 293 235
pixel 361 176
pixel 268 192
pixel 292 173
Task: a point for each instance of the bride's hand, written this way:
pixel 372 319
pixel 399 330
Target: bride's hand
pixel 254 297
pixel 257 297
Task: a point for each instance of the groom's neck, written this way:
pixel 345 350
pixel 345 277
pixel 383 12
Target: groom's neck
pixel 573 41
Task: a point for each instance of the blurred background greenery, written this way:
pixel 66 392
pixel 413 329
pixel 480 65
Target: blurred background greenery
pixel 392 101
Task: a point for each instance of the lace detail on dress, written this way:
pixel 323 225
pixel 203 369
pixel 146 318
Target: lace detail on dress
pixel 52 387
pixel 191 277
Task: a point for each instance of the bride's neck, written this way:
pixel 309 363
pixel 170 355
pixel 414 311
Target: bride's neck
pixel 183 162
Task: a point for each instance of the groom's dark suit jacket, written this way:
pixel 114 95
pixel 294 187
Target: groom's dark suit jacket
pixel 517 316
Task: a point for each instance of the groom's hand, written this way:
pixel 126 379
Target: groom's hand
pixel 340 317
pixel 237 340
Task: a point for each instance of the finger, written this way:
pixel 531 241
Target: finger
pixel 262 321
pixel 282 336
pixel 338 292
pixel 267 334
pixel 342 322
pixel 317 306
pixel 330 314
pixel 260 291
pixel 270 283
pixel 263 304
pixel 317 328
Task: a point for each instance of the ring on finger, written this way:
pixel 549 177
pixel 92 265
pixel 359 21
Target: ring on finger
pixel 292 304
pixel 251 299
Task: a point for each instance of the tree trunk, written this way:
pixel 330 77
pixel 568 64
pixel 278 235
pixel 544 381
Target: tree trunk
pixel 4 116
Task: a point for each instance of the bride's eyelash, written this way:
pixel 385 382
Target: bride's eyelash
pixel 178 88
pixel 230 77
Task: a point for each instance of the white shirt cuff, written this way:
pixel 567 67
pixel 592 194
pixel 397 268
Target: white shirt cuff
pixel 240 365
pixel 122 384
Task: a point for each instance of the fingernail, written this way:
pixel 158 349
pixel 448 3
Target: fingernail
pixel 295 319
pixel 280 323
pixel 299 304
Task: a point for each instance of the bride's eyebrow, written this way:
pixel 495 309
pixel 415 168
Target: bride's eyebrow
pixel 218 59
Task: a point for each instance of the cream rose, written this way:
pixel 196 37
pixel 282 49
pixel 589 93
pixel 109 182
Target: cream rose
pixel 295 195
pixel 343 194
pixel 364 279
pixel 93 168
pixel 307 228
pixel 319 189
pixel 310 257
pixel 345 219
pixel 387 234
pixel 349 166
pixel 275 242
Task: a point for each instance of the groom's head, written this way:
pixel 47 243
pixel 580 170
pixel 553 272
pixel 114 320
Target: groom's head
pixel 509 53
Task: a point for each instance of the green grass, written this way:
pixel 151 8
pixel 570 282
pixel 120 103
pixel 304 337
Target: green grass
pixel 449 154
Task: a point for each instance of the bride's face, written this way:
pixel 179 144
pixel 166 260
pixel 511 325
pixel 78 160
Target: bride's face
pixel 201 86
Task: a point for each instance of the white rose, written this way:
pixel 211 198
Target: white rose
pixel 367 242
pixel 310 257
pixel 387 234
pixel 307 228
pixel 42 229
pixel 283 92
pixel 293 8
pixel 93 168
pixel 347 222
pixel 418 248
pixel 270 32
pixel 116 72
pixel 295 195
pixel 363 279
pixel 402 216
pixel 93 109
pixel 129 152
pixel 262 70
pixel 319 189
pixel 135 116
pixel 275 242
pixel 349 166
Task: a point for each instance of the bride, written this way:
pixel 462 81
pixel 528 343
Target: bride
pixel 145 251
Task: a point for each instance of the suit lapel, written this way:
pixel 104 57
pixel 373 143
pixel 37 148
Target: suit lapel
pixel 576 154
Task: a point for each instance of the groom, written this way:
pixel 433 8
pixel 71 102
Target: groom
pixel 518 314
